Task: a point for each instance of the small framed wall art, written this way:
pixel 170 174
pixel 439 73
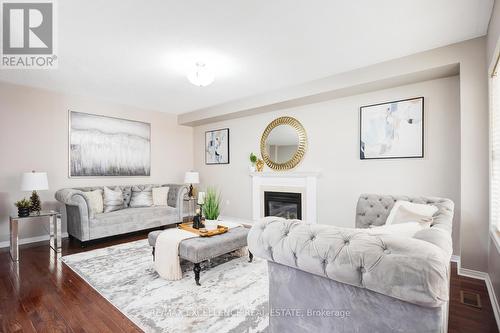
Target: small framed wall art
pixel 392 130
pixel 217 146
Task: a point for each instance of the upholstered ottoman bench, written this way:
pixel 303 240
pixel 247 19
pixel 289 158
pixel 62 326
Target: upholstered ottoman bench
pixel 199 249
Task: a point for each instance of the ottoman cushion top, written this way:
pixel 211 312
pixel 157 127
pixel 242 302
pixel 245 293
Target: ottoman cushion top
pixel 198 249
pixel 152 236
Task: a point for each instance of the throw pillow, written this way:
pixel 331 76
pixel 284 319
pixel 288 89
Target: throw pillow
pixel 160 196
pixel 405 211
pixel 113 199
pixel 408 229
pixel 142 196
pixel 127 194
pixel 94 200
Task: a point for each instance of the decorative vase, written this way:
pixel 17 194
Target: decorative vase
pixel 211 224
pixel 23 211
pixel 260 165
pixel 251 167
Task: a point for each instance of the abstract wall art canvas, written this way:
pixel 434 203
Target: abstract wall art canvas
pixel 392 130
pixel 101 146
pixel 217 146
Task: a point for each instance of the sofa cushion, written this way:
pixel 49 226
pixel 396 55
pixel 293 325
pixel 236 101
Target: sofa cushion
pixel 113 199
pixel 133 215
pixel 131 219
pixel 142 196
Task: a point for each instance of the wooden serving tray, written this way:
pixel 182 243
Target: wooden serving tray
pixel 203 232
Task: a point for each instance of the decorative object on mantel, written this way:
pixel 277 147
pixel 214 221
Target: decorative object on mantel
pixel 23 207
pixel 283 143
pixel 101 146
pixel 191 177
pixel 34 181
pixel 259 165
pixel 392 130
pixel 253 160
pixel 217 146
pixel 212 201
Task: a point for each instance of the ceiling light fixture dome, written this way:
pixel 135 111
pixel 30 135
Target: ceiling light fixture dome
pixel 201 75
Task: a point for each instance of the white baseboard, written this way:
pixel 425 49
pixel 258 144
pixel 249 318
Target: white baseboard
pixel 31 240
pixel 489 286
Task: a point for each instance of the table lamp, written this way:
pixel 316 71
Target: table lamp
pixel 34 181
pixel 191 178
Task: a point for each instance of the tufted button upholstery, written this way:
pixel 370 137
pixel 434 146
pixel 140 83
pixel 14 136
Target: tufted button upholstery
pixel 347 255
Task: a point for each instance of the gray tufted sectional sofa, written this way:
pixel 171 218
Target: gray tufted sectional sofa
pixel 329 279
pixel 85 226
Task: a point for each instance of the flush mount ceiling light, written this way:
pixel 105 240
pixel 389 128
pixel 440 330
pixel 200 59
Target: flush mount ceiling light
pixel 201 75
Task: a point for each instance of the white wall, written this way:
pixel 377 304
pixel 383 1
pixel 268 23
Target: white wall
pixel 333 133
pixel 34 136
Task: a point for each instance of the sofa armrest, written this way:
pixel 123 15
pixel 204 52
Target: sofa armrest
pixel 408 269
pixel 176 197
pixel 77 212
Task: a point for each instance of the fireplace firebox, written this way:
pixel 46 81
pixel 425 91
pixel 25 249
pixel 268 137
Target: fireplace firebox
pixel 283 204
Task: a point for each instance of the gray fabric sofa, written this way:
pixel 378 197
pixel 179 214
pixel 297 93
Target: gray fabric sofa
pixel 324 278
pixel 85 226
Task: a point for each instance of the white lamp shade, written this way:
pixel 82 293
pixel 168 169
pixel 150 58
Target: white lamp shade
pixel 192 177
pixel 34 181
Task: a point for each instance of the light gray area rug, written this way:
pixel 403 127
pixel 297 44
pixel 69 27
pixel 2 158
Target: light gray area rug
pixel 233 296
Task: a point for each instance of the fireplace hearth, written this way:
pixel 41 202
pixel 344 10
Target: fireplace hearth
pixel 283 204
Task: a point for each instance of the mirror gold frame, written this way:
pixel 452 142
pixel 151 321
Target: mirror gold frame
pixel 301 149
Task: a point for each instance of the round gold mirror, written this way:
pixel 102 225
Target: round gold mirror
pixel 283 143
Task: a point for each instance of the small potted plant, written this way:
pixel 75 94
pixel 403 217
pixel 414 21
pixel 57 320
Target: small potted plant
pixel 253 160
pixel 23 207
pixel 211 208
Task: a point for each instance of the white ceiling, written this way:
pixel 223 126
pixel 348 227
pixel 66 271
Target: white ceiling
pixel 136 52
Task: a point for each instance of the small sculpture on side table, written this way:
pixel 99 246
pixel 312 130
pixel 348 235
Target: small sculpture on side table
pixel 198 220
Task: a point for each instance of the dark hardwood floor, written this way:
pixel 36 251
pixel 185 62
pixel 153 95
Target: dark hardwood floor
pixel 41 294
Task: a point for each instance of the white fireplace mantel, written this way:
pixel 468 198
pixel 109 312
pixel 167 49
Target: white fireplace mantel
pixel 276 174
pixel 300 182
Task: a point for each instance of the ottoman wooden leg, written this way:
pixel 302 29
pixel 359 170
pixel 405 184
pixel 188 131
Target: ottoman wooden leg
pixel 197 270
pixel 250 256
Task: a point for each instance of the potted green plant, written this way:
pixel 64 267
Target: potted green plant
pixel 211 208
pixel 253 160
pixel 23 207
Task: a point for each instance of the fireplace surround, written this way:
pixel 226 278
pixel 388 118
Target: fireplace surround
pixel 303 183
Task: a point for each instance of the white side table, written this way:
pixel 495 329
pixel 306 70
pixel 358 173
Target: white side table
pixel 54 231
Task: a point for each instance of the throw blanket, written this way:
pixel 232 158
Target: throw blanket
pixel 167 261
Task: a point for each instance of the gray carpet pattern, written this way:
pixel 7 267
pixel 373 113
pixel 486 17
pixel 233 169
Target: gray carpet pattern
pixel 233 296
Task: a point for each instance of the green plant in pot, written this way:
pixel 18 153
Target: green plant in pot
pixel 253 160
pixel 211 208
pixel 23 207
